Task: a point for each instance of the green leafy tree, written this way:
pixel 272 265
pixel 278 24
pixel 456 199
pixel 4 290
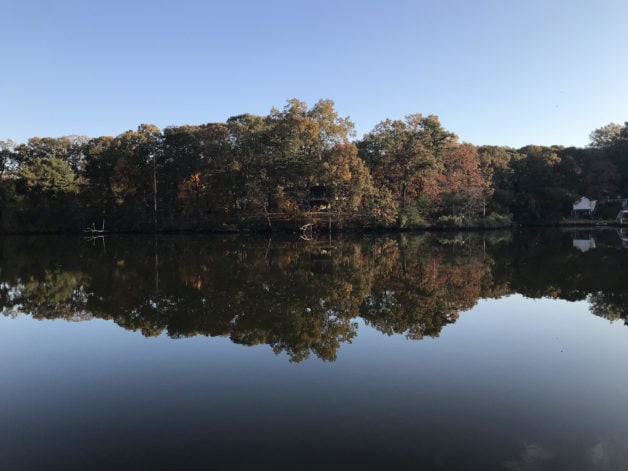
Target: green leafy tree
pixel 250 136
pixel 67 148
pixel 606 136
pixel 540 190
pixel 134 176
pixel 612 142
pixel 497 174
pixel 101 156
pixel 347 178
pixel 48 195
pixel 50 175
pixel 198 173
pixel 406 157
pixel 7 157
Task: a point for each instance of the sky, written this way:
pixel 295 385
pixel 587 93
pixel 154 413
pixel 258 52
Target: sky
pixel 500 72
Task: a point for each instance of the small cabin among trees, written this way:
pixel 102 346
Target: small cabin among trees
pixel 318 197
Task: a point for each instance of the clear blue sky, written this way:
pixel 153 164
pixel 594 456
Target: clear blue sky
pixel 504 72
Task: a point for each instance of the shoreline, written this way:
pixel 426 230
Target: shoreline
pixel 319 230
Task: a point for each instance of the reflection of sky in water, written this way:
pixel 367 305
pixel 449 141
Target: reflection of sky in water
pixel 514 384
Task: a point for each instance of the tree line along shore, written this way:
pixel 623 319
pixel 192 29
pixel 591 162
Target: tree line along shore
pixel 295 168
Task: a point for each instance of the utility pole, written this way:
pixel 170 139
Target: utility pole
pixel 155 190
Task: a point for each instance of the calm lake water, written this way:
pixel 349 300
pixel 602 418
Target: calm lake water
pixel 491 351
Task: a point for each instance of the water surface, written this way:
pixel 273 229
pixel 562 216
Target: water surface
pixel 439 351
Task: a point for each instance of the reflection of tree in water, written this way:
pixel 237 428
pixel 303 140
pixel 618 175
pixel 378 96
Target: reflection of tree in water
pixel 421 289
pixel 41 286
pixel 291 297
pixel 611 306
pixel 59 292
pixel 545 264
pixel 297 297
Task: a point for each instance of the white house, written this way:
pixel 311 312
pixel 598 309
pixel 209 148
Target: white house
pixel 584 206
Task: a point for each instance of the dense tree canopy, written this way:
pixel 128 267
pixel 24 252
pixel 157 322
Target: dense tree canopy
pixel 296 166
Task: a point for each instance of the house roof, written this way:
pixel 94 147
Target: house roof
pixel 584 204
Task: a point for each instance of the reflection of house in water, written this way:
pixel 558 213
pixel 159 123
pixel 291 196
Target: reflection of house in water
pixel 583 242
pixel 601 238
pixel 623 235
pixel 584 245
